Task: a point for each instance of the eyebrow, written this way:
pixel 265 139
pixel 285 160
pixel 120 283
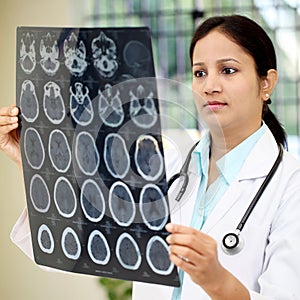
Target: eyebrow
pixel 223 60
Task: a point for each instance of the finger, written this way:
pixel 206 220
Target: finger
pixel 176 228
pixel 186 254
pixel 8 120
pixel 8 128
pixel 188 241
pixel 183 234
pixel 182 262
pixel 194 239
pixel 14 110
pixel 9 111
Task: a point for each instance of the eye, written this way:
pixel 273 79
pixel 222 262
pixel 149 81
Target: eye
pixel 199 73
pixel 229 71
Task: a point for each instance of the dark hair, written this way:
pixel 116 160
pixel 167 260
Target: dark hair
pixel 254 40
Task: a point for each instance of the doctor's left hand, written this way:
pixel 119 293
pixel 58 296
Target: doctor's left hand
pixel 196 254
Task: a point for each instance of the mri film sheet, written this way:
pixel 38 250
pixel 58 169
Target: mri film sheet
pixel 92 152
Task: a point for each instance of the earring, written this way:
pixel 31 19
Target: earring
pixel 267 95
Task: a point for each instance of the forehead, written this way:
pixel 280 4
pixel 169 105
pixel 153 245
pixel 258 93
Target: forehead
pixel 217 45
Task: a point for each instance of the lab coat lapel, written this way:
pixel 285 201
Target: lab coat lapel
pixel 261 158
pixel 264 157
pixel 231 196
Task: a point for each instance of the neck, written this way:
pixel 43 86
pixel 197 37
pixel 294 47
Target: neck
pixel 224 141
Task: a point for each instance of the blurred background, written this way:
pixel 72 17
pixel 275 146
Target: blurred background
pixel 172 23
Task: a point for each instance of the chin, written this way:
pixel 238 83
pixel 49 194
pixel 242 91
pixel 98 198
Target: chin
pixel 213 121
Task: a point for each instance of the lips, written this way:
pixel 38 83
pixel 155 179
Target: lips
pixel 215 105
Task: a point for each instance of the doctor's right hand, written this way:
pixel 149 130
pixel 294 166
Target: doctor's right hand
pixel 9 138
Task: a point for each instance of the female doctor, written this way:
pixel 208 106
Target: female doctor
pixel 234 74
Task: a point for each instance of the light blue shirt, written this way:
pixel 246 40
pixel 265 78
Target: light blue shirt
pixel 228 166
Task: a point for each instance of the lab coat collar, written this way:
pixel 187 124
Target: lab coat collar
pixel 263 154
pixel 200 156
pixel 231 163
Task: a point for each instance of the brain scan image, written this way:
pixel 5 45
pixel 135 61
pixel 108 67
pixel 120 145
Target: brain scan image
pixel 92 201
pixel 110 107
pixel 59 151
pixel 104 57
pixel 34 149
pixel 116 156
pixel 75 55
pixel 39 194
pixel 147 157
pixel 121 204
pixel 128 252
pixel 45 239
pixel 98 248
pixel 53 103
pixel 86 153
pixel 157 255
pixel 92 152
pixel 64 197
pixel 137 57
pixel 80 104
pixel 142 108
pixel 70 244
pixel 28 102
pixel 153 207
pixel 49 52
pixel 27 53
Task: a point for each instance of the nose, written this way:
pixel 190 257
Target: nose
pixel 212 84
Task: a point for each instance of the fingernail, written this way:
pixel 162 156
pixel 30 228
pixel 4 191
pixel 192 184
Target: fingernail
pixel 14 119
pixel 14 111
pixel 169 227
pixel 168 239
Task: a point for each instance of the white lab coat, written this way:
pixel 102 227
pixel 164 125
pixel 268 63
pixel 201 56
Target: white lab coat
pixel 269 264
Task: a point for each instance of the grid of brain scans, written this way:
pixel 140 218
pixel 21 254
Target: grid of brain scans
pixel 92 152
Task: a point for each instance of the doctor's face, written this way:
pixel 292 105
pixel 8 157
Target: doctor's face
pixel 226 86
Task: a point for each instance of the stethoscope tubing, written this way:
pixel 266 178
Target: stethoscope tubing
pixel 183 173
pixel 231 243
pixel 261 190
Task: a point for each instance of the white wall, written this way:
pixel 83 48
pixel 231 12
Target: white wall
pixel 20 278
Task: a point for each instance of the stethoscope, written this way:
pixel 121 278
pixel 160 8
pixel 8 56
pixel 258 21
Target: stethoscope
pixel 232 243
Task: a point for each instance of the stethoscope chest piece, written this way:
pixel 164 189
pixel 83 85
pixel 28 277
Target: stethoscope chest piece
pixel 232 243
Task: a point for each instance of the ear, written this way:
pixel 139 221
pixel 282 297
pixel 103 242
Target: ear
pixel 268 84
